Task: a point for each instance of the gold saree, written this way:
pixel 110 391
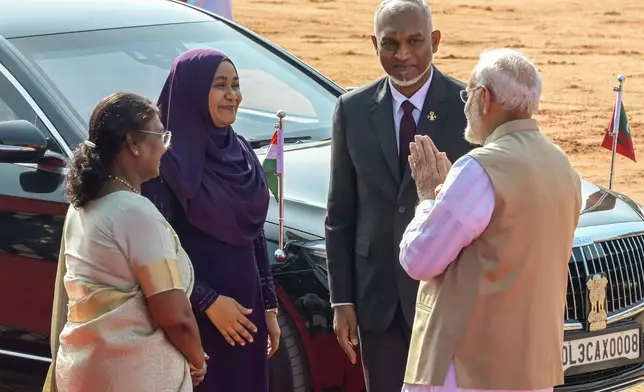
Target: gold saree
pixel 102 335
pixel 58 317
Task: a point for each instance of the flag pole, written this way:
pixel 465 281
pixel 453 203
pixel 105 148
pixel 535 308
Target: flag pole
pixel 615 131
pixel 280 253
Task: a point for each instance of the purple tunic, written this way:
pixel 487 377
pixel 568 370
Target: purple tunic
pixel 239 272
pixel 213 192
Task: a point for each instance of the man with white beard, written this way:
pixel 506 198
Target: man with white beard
pixel 371 193
pixel 491 245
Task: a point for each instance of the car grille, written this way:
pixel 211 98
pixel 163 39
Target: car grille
pixel 621 261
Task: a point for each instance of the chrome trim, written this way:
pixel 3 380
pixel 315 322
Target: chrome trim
pixel 56 170
pixel 25 356
pixel 631 278
pixel 640 268
pixel 572 326
pixel 620 237
pixel 612 262
pixel 52 130
pixel 574 301
pixel 626 313
pixel 614 244
pixel 585 261
pixel 10 149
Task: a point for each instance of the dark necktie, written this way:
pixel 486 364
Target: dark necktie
pixel 407 132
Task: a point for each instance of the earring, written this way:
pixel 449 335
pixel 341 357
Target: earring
pixel 136 153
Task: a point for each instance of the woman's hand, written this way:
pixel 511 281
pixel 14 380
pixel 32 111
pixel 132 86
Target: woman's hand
pixel 229 317
pixel 198 375
pixel 274 333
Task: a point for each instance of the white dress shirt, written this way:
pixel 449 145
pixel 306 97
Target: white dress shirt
pixel 418 100
pixel 441 229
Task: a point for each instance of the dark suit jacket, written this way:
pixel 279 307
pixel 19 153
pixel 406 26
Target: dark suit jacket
pixel 370 205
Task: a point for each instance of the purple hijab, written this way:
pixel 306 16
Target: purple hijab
pixel 212 171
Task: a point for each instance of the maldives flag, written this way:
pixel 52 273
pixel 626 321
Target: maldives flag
pixel 624 138
pixel 274 162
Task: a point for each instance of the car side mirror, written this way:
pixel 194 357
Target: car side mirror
pixel 37 181
pixel 21 142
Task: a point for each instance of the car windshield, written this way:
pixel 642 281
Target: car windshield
pixel 86 66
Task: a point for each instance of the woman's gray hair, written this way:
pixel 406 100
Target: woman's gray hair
pixel 512 78
pixel 396 6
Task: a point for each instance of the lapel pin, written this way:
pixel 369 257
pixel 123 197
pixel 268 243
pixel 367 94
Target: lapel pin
pixel 431 116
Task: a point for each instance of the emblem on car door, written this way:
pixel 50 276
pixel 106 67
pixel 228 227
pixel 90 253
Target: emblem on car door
pixel 597 302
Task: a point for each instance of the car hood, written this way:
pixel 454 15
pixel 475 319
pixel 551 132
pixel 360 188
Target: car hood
pixel 306 184
pixel 600 206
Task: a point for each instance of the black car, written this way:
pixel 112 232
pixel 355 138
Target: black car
pixel 59 58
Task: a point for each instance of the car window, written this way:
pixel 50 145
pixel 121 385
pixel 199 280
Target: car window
pixel 265 92
pixel 13 106
pixel 6 114
pixel 86 66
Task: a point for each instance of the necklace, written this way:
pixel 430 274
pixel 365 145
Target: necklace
pixel 122 181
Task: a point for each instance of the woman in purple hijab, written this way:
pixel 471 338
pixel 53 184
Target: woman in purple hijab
pixel 213 192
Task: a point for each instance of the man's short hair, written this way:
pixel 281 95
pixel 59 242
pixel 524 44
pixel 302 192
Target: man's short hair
pixel 395 6
pixel 512 78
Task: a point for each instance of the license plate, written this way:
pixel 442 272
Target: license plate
pixel 602 348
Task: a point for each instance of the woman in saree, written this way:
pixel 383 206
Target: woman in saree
pixel 213 191
pixel 122 320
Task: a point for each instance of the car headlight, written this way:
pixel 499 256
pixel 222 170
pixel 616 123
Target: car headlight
pixel 316 253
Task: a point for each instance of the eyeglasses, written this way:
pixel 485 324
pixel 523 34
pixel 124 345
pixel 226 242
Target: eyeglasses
pixel 465 93
pixel 166 136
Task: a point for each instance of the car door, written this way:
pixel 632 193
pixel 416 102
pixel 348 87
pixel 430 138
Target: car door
pixel 32 211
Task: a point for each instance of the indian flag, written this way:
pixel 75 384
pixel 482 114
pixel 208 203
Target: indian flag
pixel 274 162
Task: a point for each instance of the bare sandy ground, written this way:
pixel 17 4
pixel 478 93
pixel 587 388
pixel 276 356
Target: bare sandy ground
pixel 580 47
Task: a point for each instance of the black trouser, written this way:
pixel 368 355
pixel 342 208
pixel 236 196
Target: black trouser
pixel 384 355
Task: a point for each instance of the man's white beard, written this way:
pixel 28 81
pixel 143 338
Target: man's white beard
pixel 410 82
pixel 473 129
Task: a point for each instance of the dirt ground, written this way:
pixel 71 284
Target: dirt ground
pixel 580 47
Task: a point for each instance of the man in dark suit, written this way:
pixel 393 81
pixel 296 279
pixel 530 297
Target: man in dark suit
pixel 372 195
